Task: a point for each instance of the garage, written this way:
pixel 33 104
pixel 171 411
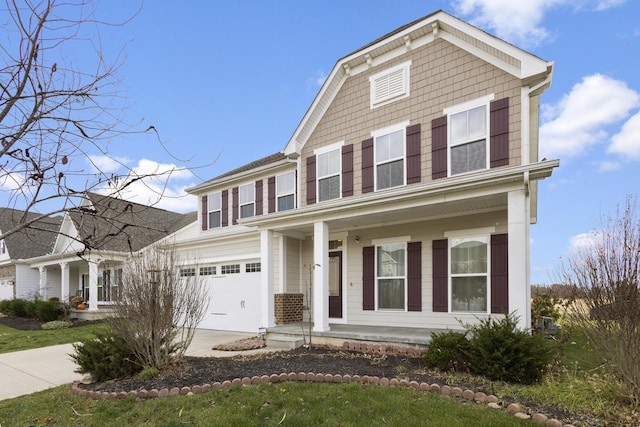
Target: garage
pixel 234 301
pixel 6 289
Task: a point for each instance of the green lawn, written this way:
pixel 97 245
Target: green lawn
pixel 280 404
pixel 15 340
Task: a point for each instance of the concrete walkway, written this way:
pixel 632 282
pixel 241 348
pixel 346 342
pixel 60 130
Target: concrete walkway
pixel 28 371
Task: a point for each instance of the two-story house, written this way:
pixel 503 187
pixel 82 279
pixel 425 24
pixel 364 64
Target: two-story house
pixel 404 197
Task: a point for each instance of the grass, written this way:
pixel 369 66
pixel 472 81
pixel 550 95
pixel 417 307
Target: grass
pixel 15 340
pixel 280 404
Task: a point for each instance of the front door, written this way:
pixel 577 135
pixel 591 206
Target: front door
pixel 335 284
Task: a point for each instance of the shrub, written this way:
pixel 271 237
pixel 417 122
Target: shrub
pixel 448 351
pixel 500 351
pixel 17 307
pixel 57 324
pixel 105 357
pixel 46 311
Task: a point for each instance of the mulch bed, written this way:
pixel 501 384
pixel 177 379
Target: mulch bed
pixel 25 324
pixel 209 370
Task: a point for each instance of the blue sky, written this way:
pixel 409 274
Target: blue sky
pixel 226 83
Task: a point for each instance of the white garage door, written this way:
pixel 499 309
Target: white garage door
pixel 6 289
pixel 234 302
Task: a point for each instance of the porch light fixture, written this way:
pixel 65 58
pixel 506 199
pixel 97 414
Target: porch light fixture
pixel 357 239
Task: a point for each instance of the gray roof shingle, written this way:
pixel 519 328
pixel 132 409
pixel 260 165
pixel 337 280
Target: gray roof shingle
pixel 32 241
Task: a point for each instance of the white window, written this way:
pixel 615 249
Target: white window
pixel 215 209
pixel 247 194
pixel 253 267
pixel 285 191
pixel 468 126
pixel 3 247
pixel 209 270
pixel 469 274
pixel 389 145
pixel 329 165
pixel 390 85
pixel 187 272
pixel 391 275
pixel 230 269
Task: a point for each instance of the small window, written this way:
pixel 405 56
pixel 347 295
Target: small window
pixel 253 267
pixel 215 209
pixel 390 275
pixel 285 191
pixel 230 269
pixel 208 270
pixel 187 272
pixel 3 248
pixel 390 85
pixel 247 195
pixel 329 164
pixel 469 274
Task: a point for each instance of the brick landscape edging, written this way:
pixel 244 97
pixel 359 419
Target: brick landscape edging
pixel 445 390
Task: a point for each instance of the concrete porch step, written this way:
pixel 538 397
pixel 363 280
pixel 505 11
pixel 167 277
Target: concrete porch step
pixel 283 341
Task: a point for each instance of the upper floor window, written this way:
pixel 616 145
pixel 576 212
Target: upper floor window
pixel 328 172
pixel 390 156
pixel 285 191
pixel 469 274
pixel 390 85
pixel 215 209
pixel 468 135
pixel 247 194
pixel 3 247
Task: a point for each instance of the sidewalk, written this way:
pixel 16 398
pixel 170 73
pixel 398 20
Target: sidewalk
pixel 28 371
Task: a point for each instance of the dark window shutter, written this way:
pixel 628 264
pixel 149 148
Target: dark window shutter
pixel 440 275
pixel 413 154
pixel 225 208
pixel 414 285
pixel 368 278
pixel 259 197
pixel 500 273
pixel 311 180
pixel 205 213
pixel 439 148
pixel 234 205
pixel 347 170
pixel 367 166
pixel 271 190
pixel 499 132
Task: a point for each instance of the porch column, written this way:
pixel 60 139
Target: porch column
pixel 64 282
pixel 93 284
pixel 42 284
pixel 519 286
pixel 320 277
pixel 267 317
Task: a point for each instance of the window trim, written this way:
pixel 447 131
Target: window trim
pixel 481 233
pixel 374 101
pixel 210 197
pixel 252 202
pixel 383 132
pixel 461 108
pixel 387 242
pixel 335 147
pixel 292 193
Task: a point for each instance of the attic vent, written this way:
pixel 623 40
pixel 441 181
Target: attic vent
pixel 390 85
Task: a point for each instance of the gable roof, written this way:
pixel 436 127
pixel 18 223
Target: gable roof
pixel 530 69
pixel 35 240
pixel 112 224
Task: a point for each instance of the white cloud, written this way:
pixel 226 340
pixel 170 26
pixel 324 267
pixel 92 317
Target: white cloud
pixel 582 242
pixel 627 141
pixel 579 120
pixel 608 166
pixel 520 22
pixel 163 186
pixel 107 164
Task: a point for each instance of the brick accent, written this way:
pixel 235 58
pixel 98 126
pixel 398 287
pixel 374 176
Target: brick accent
pixel 288 308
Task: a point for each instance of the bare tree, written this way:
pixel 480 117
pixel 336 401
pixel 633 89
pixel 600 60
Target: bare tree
pixel 605 277
pixel 158 308
pixel 54 114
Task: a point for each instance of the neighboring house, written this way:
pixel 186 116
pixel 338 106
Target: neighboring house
pixel 17 278
pixel 403 199
pixel 93 241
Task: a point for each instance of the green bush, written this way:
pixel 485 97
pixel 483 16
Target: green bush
pixel 500 351
pixel 57 324
pixel 16 307
pixel 448 351
pixel 105 357
pixel 46 311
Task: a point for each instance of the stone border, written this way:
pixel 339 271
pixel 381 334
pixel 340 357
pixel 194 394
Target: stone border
pixel 445 390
